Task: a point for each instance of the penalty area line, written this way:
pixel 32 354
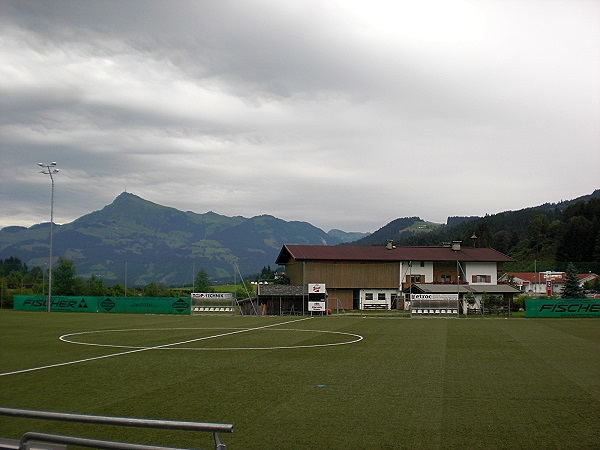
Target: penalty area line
pixel 138 350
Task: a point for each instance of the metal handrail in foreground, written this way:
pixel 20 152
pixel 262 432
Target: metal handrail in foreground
pixel 214 428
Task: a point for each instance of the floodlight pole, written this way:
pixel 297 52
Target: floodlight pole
pixel 50 169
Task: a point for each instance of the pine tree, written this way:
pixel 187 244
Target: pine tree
pixel 572 287
pixel 202 282
pixel 63 278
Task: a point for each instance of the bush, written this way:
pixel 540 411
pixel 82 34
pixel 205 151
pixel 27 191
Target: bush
pixel 518 303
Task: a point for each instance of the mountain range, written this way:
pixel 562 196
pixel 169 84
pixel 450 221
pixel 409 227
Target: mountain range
pixel 135 241
pixel 144 242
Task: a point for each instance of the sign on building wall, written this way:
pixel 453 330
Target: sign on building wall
pixel 433 297
pixel 564 307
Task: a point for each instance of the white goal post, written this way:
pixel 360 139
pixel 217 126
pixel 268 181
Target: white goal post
pixel 212 303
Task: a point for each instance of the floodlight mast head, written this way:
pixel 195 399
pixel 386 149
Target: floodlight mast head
pixel 49 169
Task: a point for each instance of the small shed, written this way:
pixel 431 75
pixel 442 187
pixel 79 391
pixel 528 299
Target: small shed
pixel 282 300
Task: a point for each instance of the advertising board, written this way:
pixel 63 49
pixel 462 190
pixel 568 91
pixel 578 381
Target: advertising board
pixel 136 305
pixel 316 306
pixel 433 297
pixel 211 295
pixel 316 288
pixel 563 307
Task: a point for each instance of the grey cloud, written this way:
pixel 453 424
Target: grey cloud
pixel 227 106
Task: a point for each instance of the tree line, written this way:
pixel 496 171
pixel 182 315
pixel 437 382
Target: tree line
pixel 548 237
pixel 17 278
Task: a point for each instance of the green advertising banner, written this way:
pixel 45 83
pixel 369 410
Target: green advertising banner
pixel 563 307
pixel 135 305
pixel 144 305
pixel 59 303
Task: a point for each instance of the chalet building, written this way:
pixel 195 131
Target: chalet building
pixel 364 277
pixel 544 283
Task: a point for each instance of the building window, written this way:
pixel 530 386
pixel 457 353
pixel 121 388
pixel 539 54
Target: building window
pixel 422 263
pixel 446 279
pixel 416 278
pixel 481 279
pixel 368 296
pixel 381 296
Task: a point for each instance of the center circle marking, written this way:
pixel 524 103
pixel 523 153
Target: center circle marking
pixel 351 338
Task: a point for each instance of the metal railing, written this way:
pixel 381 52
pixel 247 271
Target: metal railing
pixel 214 428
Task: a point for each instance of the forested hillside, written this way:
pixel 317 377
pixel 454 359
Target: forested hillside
pixel 546 237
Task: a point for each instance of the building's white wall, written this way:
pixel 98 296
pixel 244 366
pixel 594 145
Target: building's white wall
pixel 481 268
pixel 416 269
pixel 364 303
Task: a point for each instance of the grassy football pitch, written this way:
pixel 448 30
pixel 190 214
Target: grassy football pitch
pixel 300 382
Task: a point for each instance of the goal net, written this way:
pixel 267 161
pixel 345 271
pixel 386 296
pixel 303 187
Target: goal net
pixel 212 303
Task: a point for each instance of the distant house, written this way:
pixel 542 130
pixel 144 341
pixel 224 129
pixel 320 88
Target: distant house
pixel 382 277
pixel 544 283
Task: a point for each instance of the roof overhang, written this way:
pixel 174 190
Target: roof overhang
pixel 281 290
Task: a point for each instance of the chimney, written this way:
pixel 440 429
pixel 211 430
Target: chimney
pixel 456 245
pixel 390 244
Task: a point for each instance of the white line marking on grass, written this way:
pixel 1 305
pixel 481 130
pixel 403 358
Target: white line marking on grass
pixel 50 366
pixel 355 338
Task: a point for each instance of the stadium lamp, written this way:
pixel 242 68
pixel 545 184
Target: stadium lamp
pixel 50 170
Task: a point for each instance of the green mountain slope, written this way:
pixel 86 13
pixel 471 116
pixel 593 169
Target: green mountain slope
pixel 146 242
pixel 398 229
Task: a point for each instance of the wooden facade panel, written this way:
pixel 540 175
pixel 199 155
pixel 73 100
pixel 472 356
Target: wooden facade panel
pixel 340 298
pixel 353 275
pixel 294 271
pixel 443 270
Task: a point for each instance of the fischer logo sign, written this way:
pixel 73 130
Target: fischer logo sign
pixel 586 307
pixel 34 302
pixel 59 304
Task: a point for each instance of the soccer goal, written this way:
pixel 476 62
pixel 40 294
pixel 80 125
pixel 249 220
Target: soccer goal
pixel 212 303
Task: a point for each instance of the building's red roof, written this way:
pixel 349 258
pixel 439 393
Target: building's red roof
pixel 383 254
pixel 530 277
pixel 558 277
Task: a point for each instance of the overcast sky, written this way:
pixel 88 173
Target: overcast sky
pixel 344 114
